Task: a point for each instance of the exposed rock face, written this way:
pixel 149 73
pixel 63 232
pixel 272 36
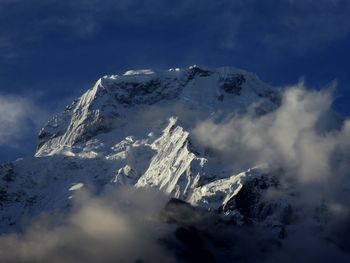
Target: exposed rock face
pixel 233 83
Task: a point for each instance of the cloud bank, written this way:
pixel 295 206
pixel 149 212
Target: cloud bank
pixel 130 225
pixel 303 136
pixel 120 226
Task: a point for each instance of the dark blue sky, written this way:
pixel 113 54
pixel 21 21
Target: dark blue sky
pixel 53 50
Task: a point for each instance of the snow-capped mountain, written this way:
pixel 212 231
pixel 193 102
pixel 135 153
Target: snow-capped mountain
pixel 251 172
pixel 135 129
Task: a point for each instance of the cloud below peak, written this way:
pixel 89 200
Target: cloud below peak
pixel 302 136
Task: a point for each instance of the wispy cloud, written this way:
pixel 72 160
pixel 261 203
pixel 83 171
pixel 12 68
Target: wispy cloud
pixel 18 117
pixel 120 226
pixel 7 48
pixel 302 136
pixel 297 26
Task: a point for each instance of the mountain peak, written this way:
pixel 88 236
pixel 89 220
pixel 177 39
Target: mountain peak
pixel 111 102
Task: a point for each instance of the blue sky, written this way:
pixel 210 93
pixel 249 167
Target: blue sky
pixel 53 50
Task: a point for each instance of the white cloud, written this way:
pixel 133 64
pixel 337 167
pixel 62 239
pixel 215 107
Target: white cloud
pixel 119 226
pixel 18 117
pixel 298 137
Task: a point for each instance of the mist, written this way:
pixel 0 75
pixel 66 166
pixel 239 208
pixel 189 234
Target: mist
pixel 120 226
pixel 303 136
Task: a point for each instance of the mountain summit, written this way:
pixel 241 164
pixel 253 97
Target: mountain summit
pixel 114 100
